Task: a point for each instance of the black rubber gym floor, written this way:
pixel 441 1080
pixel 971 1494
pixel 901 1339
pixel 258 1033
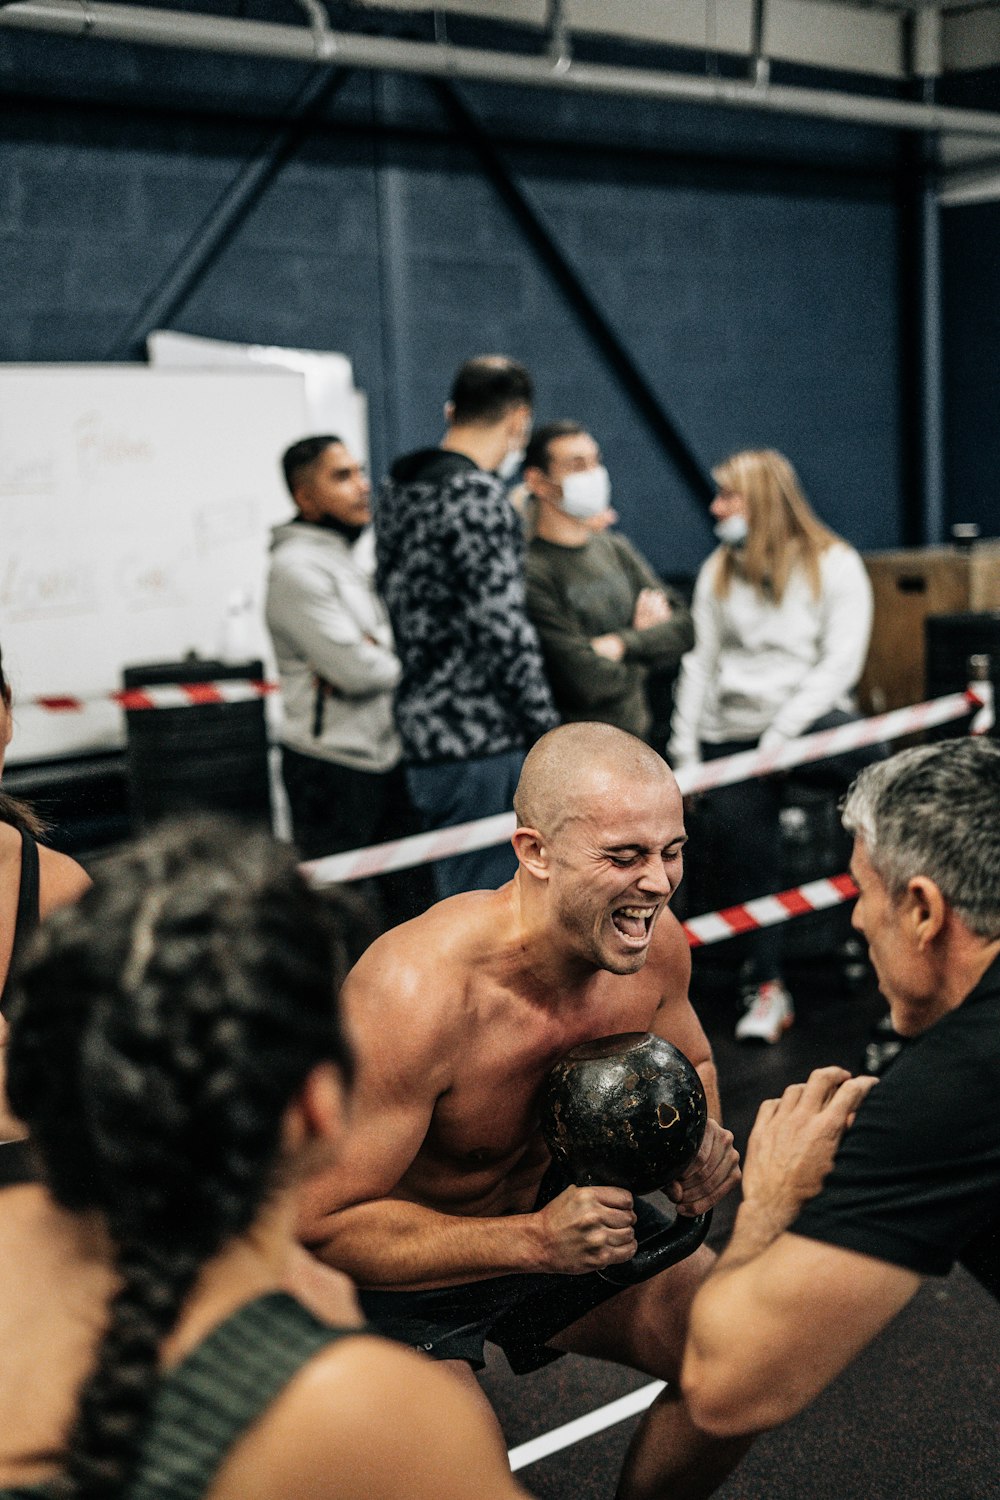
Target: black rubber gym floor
pixel 915 1417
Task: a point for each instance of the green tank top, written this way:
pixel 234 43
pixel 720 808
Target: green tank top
pixel 204 1404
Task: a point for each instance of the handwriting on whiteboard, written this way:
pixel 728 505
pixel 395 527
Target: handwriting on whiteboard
pixel 36 591
pixel 103 449
pixel 26 476
pixel 146 582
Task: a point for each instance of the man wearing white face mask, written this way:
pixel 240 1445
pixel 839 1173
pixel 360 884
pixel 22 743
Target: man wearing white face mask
pixel 449 546
pixel 603 617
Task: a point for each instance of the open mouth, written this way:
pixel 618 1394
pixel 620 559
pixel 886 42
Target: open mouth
pixel 634 923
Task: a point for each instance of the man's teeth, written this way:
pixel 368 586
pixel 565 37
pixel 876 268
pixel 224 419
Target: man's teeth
pixel 637 911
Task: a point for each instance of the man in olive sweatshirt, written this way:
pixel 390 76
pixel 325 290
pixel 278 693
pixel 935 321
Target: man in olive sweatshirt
pixel 603 617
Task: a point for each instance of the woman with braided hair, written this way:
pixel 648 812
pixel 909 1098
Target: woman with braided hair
pixel 176 1054
pixel 34 880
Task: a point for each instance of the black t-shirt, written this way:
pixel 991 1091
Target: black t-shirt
pixel 916 1181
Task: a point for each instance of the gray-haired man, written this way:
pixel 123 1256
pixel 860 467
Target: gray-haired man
pixel 815 1270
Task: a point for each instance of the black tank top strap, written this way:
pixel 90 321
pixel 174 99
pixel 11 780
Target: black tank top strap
pixel 29 910
pixel 28 902
pixel 207 1401
pixel 17 1165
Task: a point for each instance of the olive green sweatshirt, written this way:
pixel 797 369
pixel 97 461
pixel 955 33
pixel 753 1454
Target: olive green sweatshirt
pixel 576 593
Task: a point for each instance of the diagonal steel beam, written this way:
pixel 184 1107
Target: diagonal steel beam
pixel 229 211
pixel 578 296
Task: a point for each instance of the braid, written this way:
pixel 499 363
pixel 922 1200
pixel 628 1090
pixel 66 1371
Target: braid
pixel 159 1031
pixel 116 1397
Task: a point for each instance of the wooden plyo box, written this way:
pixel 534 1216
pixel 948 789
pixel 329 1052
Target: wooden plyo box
pixel 909 586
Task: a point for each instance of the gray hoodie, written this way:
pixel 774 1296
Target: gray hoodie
pixel 334 647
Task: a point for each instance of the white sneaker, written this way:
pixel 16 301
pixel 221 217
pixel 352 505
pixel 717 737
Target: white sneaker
pixel 768 1015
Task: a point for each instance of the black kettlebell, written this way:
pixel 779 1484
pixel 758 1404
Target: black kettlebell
pixel 624 1111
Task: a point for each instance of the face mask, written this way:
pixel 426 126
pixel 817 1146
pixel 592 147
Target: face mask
pixel 510 463
pixel 586 493
pixel 732 531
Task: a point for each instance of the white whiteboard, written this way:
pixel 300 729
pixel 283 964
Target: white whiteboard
pixel 133 504
pixel 333 403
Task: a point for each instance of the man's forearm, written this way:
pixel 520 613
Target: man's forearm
pixel 710 1082
pixel 391 1243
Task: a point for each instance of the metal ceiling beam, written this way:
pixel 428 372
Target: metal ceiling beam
pixel 150 26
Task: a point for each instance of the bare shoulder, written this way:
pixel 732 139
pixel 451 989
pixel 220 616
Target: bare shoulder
pixel 670 957
pixel 420 973
pixel 61 880
pixel 675 1017
pixel 357 1417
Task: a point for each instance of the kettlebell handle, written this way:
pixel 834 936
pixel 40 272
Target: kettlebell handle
pixel 673 1243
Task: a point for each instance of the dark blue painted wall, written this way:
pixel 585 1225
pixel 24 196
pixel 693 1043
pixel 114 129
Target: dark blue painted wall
pixel 750 263
pixel 970 258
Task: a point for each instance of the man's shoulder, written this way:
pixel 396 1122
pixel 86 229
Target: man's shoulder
pixel 297 546
pixel 423 970
pixel 542 560
pixel 439 471
pixel 621 547
pixel 670 956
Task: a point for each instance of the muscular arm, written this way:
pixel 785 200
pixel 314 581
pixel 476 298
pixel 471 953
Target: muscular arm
pixel 715 1170
pixel 369 1419
pixel 675 1019
pixel 360 1217
pixel 781 1315
pixel 61 880
pixel 768 1333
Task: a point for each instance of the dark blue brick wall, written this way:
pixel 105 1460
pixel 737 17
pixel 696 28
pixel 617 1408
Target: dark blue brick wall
pixel 748 262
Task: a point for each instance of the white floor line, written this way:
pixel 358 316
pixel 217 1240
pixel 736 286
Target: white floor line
pixel 583 1427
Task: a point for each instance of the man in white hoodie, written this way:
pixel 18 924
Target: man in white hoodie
pixel 336 660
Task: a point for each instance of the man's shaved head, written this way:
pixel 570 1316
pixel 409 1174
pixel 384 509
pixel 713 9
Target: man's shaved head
pixel 571 763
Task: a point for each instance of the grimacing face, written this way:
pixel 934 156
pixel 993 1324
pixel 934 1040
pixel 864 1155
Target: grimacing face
pixel 614 865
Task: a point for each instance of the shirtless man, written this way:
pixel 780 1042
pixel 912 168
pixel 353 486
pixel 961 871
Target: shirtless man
pixel 457 1018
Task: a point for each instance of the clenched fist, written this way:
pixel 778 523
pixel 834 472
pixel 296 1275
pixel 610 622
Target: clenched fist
pixel 714 1172
pixel 587 1228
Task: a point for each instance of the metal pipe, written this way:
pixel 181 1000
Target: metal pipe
pixel 319 24
pixel 560 50
pixel 932 362
pixel 760 66
pixel 165 28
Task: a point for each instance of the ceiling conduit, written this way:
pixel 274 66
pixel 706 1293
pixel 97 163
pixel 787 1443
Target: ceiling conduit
pixel 166 28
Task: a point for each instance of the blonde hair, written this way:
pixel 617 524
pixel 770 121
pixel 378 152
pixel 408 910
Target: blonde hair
pixel 784 532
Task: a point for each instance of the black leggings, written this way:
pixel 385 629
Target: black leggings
pixel 739 834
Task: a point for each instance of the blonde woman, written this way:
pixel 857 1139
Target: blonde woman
pixel 782 615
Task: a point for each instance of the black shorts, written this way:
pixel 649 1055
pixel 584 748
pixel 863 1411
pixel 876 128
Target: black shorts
pixel 454 1322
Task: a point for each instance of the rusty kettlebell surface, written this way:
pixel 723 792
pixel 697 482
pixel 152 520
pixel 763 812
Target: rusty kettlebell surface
pixel 624 1111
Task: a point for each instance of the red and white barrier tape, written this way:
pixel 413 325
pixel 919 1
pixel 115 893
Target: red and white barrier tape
pixel 482 833
pixel 167 695
pixel 986 717
pixel 766 911
pixel 830 742
pixel 403 854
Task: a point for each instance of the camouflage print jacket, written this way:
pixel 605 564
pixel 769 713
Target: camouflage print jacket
pixel 450 568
